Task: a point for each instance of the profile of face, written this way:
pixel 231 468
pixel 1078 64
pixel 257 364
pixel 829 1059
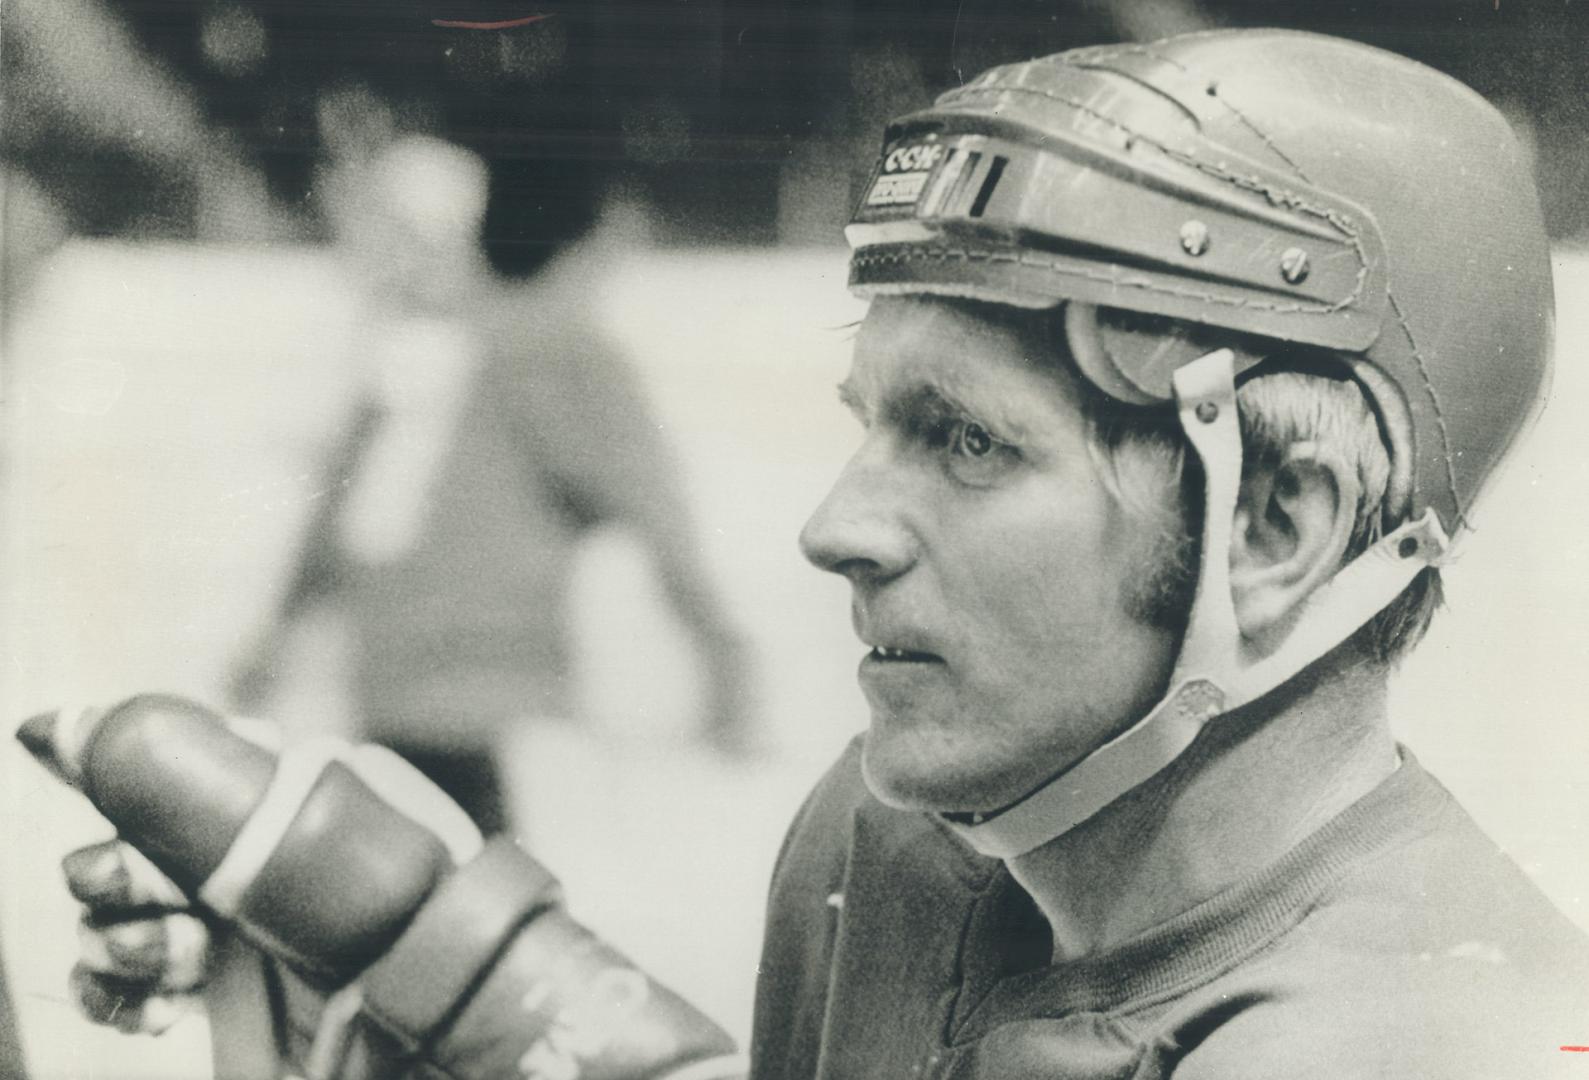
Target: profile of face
pixel 991 567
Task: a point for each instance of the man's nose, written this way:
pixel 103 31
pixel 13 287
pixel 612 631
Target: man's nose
pixel 858 530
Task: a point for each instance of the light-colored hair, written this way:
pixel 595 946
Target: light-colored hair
pixel 1296 398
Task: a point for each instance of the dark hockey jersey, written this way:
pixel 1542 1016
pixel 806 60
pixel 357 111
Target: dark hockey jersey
pixel 1396 941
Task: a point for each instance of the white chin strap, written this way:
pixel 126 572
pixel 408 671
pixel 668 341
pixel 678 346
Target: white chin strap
pixel 1212 675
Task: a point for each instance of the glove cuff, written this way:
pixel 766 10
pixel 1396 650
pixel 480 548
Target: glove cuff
pixel 491 977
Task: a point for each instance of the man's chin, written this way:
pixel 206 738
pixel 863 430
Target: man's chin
pixel 912 781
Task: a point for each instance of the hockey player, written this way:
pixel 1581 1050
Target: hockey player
pixel 1186 366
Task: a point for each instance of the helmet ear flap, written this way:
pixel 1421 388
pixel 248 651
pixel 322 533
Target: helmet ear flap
pixel 1088 347
pixel 1133 357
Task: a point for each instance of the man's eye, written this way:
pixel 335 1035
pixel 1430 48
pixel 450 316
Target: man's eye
pixel 973 454
pixel 969 449
pixel 972 440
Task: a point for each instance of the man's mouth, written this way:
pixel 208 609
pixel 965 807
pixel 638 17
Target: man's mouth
pixel 891 655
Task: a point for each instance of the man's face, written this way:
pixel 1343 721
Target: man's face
pixel 990 565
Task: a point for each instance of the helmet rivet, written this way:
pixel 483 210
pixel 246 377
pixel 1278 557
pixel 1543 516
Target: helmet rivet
pixel 1207 411
pixel 1407 548
pixel 1294 265
pixel 1194 237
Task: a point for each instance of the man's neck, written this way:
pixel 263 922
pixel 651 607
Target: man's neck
pixel 1255 783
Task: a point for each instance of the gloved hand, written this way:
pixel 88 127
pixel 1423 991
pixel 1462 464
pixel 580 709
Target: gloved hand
pixel 405 948
pixel 144 952
pixel 147 949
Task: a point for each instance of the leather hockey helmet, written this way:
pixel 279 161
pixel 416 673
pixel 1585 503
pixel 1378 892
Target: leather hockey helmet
pixel 1274 183
pixel 1191 204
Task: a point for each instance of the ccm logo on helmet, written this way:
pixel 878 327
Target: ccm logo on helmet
pixel 904 174
pixel 911 158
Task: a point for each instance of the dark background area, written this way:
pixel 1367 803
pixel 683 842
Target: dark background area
pixel 737 119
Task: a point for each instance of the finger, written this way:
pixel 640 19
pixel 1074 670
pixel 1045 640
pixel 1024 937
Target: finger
pixel 170 952
pixel 128 1007
pixel 107 1000
pixel 114 874
pixel 56 739
pixel 160 1012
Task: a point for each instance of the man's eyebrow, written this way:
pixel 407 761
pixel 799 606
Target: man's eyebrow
pixel 936 397
pixel 916 401
pixel 932 397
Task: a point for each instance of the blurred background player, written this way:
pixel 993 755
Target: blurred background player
pixel 495 425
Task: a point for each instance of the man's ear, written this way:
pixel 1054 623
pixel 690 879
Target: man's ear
pixel 1293 522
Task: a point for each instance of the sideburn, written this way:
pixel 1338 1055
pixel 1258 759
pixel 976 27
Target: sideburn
pixel 1162 598
pixel 1141 456
pixel 1140 453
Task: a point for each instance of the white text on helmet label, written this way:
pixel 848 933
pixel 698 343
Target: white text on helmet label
pixel 904 174
pixel 917 158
